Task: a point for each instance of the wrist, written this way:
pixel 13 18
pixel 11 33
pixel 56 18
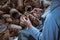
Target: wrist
pixel 29 25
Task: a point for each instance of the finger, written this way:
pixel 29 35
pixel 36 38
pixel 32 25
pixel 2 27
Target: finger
pixel 37 9
pixel 21 20
pixel 28 17
pixel 24 19
pixel 32 11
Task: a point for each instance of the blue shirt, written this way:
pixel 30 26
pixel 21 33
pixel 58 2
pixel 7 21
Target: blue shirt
pixel 51 24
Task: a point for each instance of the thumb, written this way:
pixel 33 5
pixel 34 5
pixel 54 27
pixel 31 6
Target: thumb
pixel 27 17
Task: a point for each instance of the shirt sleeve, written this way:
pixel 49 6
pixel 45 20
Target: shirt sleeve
pixel 50 29
pixel 34 32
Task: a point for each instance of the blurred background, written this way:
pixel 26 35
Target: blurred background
pixel 12 10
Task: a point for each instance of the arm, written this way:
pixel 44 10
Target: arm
pixel 50 30
pixel 34 32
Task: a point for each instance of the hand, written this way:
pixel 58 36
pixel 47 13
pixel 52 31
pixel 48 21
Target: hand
pixel 26 21
pixel 35 10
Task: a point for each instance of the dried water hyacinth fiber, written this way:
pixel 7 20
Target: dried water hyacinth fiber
pixel 3 2
pixel 1 12
pixel 23 3
pixel 7 31
pixel 15 15
pixel 14 29
pixel 4 32
pixel 8 18
pixel 36 3
pixel 10 13
pixel 20 6
pixel 33 20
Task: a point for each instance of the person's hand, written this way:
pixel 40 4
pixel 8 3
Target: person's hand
pixel 36 10
pixel 26 21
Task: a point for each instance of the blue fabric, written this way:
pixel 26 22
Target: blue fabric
pixel 51 24
pixel 24 34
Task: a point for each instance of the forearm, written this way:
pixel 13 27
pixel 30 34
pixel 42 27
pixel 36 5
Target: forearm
pixel 34 32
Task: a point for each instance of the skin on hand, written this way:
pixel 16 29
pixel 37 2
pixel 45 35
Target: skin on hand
pixel 26 21
pixel 36 10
